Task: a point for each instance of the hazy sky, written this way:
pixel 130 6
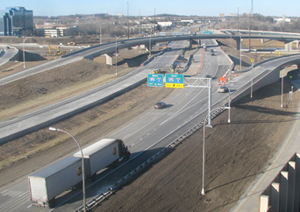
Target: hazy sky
pixel 149 7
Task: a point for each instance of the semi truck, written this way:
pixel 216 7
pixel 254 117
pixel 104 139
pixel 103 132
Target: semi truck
pixel 107 152
pixel 53 180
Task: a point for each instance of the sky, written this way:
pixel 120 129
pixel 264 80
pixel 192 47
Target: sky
pixel 153 7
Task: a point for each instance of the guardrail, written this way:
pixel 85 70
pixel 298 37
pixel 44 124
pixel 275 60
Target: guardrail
pixel 262 62
pixel 99 198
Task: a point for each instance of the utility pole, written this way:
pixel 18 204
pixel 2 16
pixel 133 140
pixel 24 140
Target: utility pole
pixel 139 21
pixel 240 37
pixel 128 18
pixel 250 19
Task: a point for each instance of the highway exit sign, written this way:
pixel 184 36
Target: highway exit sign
pixel 174 81
pixel 174 85
pixel 156 80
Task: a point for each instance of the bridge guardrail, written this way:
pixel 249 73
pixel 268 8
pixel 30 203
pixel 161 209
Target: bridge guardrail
pixel 262 62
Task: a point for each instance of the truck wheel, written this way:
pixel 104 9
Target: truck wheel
pixel 51 203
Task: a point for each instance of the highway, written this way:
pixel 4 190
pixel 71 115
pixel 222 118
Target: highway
pixel 145 135
pixel 154 129
pixel 6 54
pixel 109 48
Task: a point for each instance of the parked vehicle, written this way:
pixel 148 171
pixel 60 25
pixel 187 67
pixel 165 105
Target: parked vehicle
pixel 65 174
pixel 223 89
pixel 160 105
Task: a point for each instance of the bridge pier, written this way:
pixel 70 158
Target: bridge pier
pixel 289 46
pixel 109 58
pixel 149 45
pixel 238 43
pixel 191 44
pixel 297 44
pixel 192 41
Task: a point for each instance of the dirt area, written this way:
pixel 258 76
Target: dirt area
pixel 33 151
pixel 236 152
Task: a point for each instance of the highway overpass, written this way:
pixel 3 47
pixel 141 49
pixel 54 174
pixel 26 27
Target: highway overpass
pixel 110 48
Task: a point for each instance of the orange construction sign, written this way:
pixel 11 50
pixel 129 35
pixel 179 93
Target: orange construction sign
pixel 222 79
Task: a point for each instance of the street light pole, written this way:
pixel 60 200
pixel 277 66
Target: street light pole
pixel 154 19
pixel 128 18
pixel 24 51
pixel 82 163
pixel 252 78
pixel 101 33
pixel 252 61
pixel 229 90
pixel 203 149
pixel 150 46
pixel 117 53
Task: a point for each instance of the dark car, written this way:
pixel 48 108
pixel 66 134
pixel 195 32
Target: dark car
pixel 223 89
pixel 160 105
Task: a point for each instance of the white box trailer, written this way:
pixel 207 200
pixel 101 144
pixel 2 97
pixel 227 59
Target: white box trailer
pixel 104 153
pixel 54 179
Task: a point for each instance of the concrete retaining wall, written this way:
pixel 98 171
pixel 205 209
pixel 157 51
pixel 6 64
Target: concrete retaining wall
pixel 283 192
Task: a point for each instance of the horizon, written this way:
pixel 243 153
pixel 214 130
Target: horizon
pixel 136 8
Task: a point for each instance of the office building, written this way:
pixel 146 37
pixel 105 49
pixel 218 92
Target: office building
pixel 14 20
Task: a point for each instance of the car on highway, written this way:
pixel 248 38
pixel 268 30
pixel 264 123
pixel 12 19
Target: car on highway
pixel 160 105
pixel 223 89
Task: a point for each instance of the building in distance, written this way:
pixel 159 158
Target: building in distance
pixel 14 20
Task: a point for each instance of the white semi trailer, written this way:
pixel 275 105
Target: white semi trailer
pixel 54 179
pixel 64 174
pixel 104 153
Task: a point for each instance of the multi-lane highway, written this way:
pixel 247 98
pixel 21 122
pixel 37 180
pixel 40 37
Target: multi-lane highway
pixel 145 135
pixel 6 54
pixel 154 129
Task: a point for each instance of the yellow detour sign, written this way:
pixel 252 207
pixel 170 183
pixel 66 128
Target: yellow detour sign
pixel 174 85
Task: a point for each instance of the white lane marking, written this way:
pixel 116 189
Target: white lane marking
pixel 23 194
pixel 4 191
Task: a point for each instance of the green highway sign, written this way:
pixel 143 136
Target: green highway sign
pixel 174 78
pixel 155 80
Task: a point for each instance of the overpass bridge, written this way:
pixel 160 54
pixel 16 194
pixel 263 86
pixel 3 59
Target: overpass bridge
pixel 109 49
